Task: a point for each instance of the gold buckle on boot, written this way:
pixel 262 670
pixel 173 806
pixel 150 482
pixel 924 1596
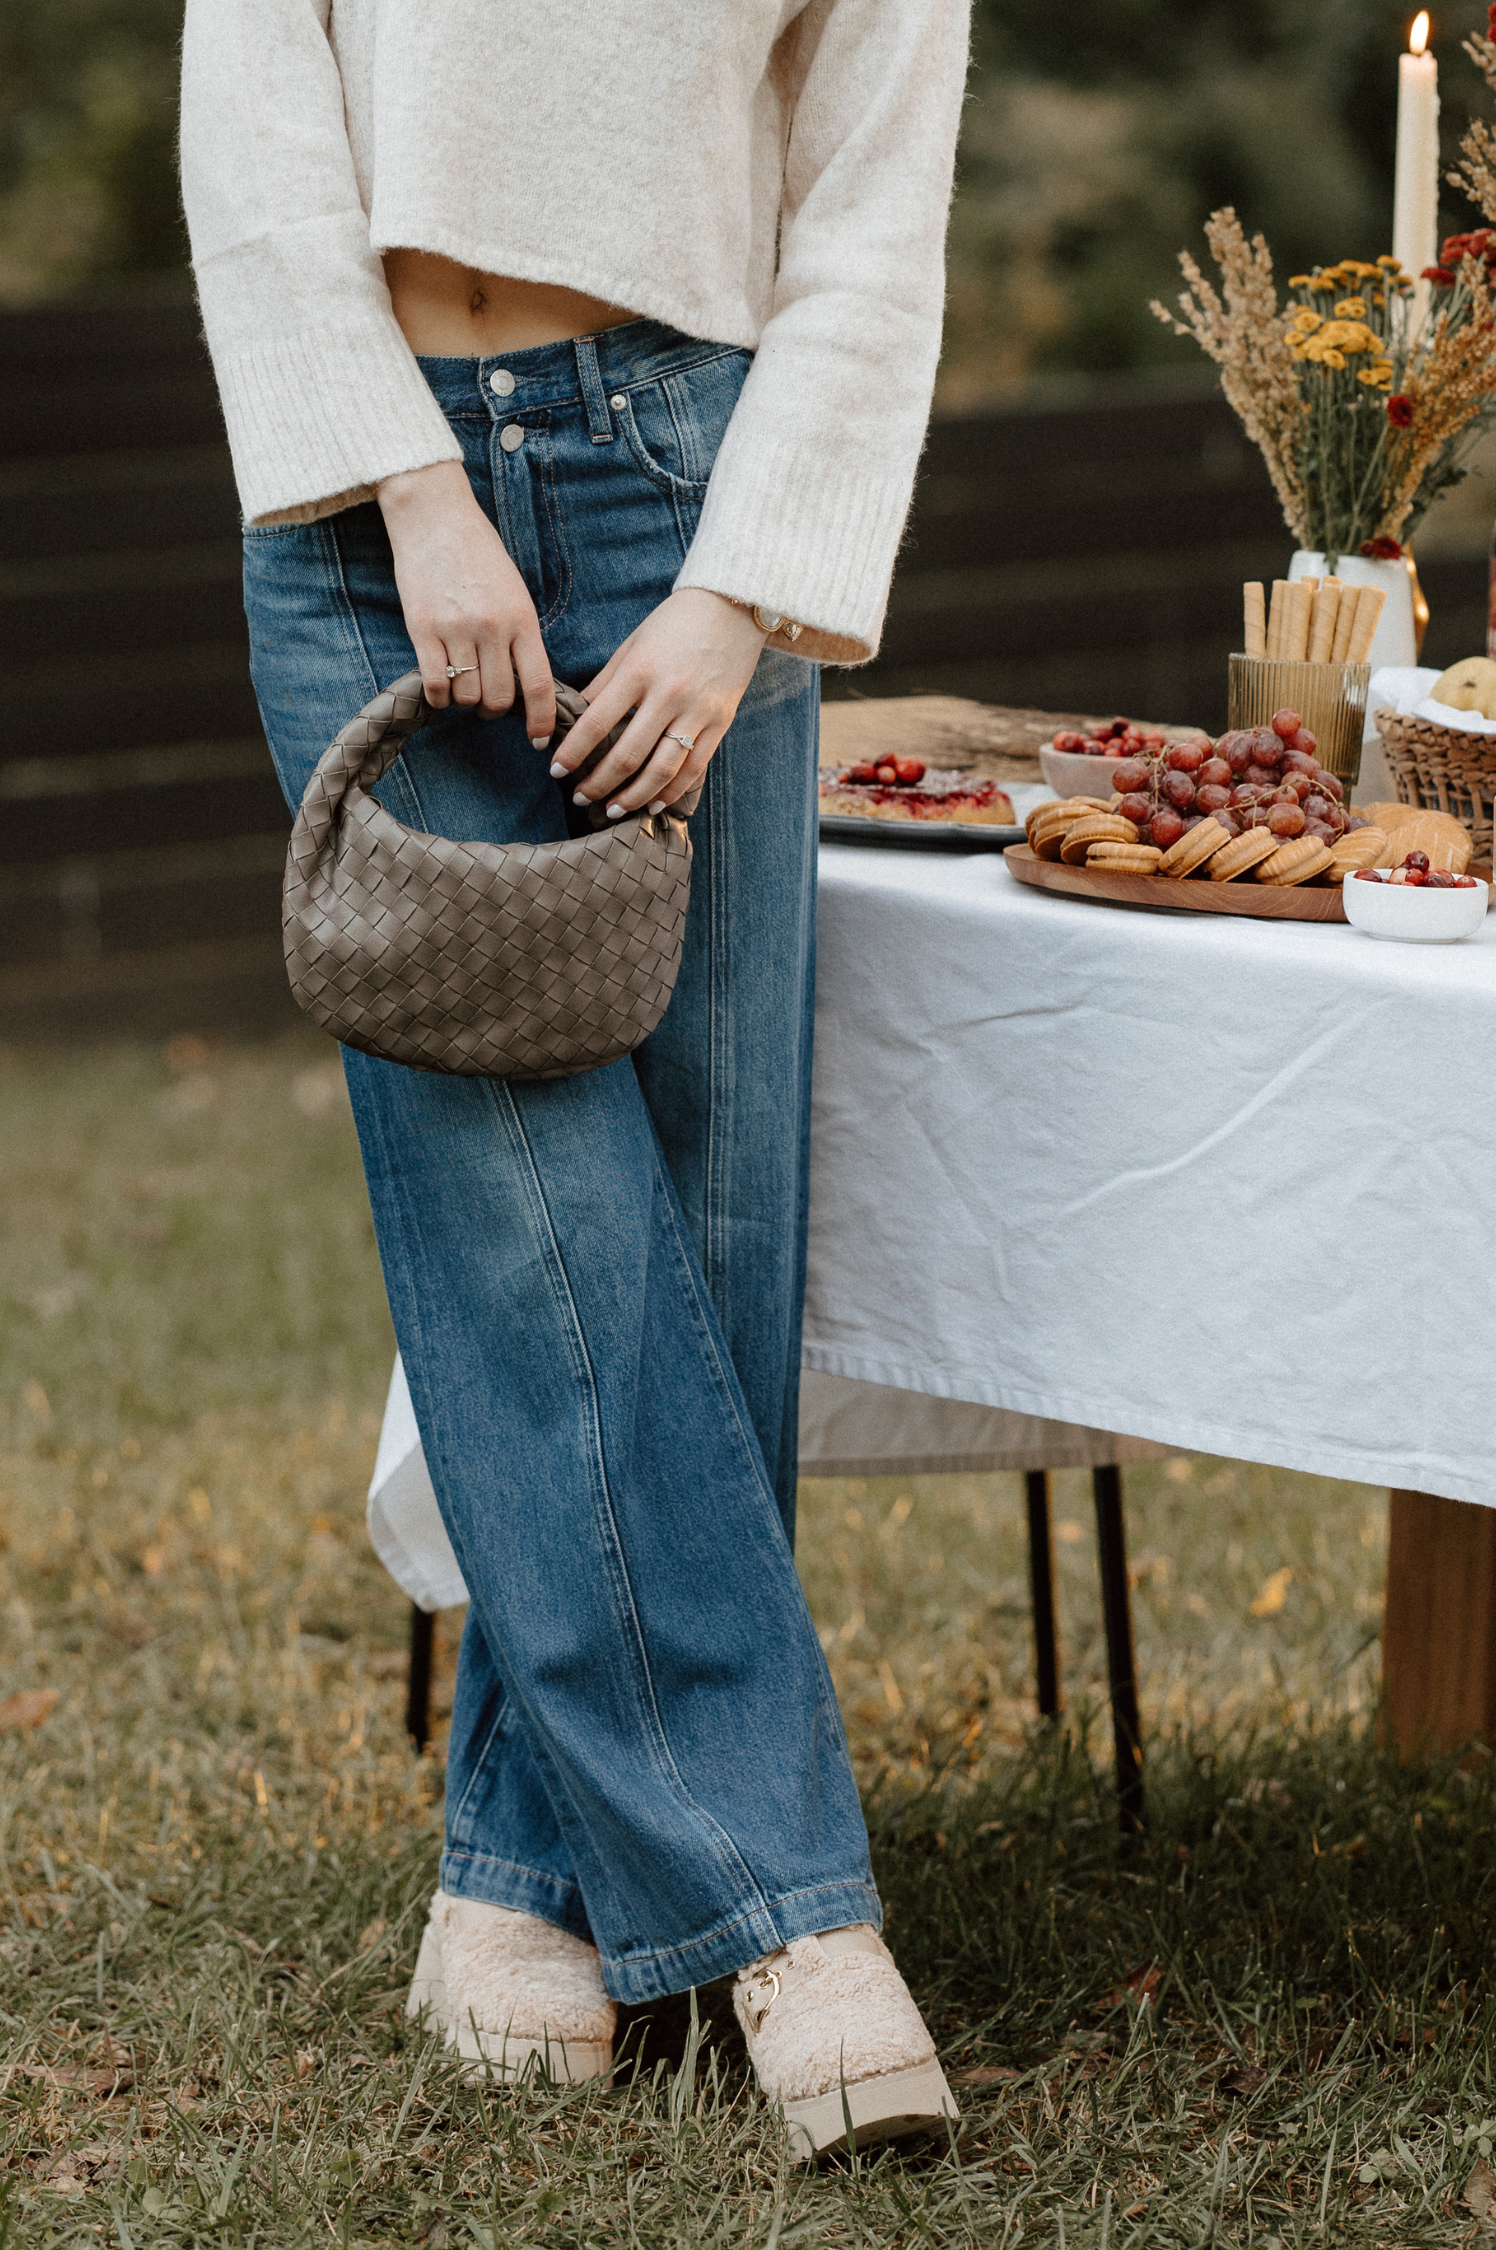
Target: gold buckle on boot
pixel 757 2013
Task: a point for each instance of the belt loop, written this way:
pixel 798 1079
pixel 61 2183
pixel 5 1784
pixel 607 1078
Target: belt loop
pixel 599 420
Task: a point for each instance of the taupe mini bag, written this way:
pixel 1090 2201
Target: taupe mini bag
pixel 486 960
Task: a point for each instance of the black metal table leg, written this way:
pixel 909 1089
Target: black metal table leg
pixel 1122 1670
pixel 418 1678
pixel 1041 1582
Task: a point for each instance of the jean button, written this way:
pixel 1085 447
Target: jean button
pixel 501 382
pixel 618 402
pixel 511 437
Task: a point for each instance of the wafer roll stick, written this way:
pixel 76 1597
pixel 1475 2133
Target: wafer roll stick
pixel 1326 610
pixel 1345 624
pixel 1296 623
pixel 1254 618
pixel 1368 610
pixel 1275 618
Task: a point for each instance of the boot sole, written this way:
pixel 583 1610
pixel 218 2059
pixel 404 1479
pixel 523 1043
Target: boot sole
pixel 490 2055
pixel 886 2108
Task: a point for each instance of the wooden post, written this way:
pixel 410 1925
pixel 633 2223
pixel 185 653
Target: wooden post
pixel 1041 1582
pixel 1439 1630
pixel 1121 1662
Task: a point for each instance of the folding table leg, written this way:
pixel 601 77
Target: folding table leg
pixel 1122 1671
pixel 1041 1580
pixel 418 1677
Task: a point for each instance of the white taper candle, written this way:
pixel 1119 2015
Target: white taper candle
pixel 1415 195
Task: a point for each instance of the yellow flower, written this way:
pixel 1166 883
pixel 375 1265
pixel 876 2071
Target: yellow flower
pixel 1359 265
pixel 1392 265
pixel 1301 281
pixel 1348 336
pixel 1351 308
pixel 1379 300
pixel 1330 359
pixel 1307 321
pixel 1376 378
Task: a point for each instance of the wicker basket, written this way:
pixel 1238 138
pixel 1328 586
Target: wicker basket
pixel 1443 770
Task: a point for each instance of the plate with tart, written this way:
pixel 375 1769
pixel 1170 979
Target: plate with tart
pixel 905 803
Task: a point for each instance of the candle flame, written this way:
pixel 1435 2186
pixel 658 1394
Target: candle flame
pixel 1418 36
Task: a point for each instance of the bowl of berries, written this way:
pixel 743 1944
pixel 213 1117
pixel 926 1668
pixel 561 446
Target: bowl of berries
pixel 1419 904
pixel 1080 765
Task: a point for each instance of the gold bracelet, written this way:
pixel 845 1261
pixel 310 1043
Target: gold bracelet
pixel 769 620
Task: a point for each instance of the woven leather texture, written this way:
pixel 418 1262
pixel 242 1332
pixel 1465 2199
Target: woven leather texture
pixel 482 960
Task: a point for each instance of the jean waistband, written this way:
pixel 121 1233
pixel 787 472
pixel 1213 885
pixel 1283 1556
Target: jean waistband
pixel 623 358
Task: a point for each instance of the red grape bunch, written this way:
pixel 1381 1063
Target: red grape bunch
pixel 1261 777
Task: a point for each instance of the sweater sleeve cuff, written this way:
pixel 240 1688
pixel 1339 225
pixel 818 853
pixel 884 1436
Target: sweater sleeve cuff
pixel 796 533
pixel 315 421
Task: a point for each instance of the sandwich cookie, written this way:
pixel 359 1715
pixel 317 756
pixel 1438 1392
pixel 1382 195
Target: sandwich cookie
pixel 1124 859
pixel 1297 861
pixel 1367 847
pixel 1243 852
pixel 1095 828
pixel 1194 847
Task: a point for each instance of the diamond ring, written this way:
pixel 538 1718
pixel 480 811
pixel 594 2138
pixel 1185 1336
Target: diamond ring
pixel 686 741
pixel 455 671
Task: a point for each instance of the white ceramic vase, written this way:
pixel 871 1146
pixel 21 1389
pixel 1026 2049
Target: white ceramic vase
pixel 1395 642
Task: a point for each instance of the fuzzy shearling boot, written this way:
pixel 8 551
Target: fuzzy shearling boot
pixel 503 1987
pixel 833 2031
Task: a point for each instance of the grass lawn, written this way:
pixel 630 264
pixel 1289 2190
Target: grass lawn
pixel 1268 2022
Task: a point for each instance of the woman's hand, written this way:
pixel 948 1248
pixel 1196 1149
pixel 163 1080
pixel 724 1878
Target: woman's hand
pixel 682 672
pixel 464 601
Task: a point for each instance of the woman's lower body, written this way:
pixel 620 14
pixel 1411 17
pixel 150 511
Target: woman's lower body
pixel 596 1283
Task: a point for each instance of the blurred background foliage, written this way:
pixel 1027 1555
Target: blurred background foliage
pixel 1098 135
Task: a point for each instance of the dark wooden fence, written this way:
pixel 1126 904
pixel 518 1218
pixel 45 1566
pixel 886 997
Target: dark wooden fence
pixel 1083 552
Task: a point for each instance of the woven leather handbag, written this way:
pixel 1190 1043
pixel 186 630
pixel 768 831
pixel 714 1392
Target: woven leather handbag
pixel 484 960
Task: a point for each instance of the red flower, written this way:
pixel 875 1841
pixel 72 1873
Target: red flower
pixel 1440 276
pixel 1399 414
pixel 1381 550
pixel 1491 18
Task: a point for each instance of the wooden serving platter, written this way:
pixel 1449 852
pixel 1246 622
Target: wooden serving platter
pixel 1190 894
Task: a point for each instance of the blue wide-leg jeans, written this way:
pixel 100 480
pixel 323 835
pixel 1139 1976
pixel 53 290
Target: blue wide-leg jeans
pixel 596 1284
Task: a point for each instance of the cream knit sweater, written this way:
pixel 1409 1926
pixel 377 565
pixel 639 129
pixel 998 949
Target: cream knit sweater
pixel 749 171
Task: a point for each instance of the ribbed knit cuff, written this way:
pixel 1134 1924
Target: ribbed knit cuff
pixel 319 418
pixel 801 534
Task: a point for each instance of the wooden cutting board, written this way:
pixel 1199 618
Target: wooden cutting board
pixel 1188 894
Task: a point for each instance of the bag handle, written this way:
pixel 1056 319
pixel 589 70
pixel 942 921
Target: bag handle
pixel 363 751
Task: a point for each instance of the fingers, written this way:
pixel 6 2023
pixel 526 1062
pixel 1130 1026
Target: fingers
pixel 536 686
pixel 433 660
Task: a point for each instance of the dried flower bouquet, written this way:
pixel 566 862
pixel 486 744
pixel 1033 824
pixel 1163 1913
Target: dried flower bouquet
pixel 1362 412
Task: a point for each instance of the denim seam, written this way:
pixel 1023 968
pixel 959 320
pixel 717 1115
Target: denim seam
pixel 682 437
pixel 752 1451
pixel 677 488
pixel 533 1875
pixel 731 1858
pixel 480 1765
pixel 722 1930
pixel 338 581
pixel 557 529
pixel 714 1261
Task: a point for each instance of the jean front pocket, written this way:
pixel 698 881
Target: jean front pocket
pixel 675 424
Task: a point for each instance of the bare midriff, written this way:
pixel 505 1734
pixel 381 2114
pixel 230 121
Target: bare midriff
pixel 451 311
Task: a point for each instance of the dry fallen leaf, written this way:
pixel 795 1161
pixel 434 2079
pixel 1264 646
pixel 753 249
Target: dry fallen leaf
pixel 988 2074
pixel 28 1708
pixel 1242 2082
pixel 1137 1989
pixel 107 2083
pixel 1480 2192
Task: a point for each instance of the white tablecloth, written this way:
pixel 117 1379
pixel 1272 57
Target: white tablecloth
pixel 1222 1184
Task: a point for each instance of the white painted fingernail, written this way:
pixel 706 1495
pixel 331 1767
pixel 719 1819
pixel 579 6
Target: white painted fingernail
pixel 616 812
pixel 579 797
pixel 557 769
pixel 658 805
pixel 539 741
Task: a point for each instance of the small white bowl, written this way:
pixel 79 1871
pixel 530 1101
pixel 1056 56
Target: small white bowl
pixel 1411 911
pixel 1071 774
